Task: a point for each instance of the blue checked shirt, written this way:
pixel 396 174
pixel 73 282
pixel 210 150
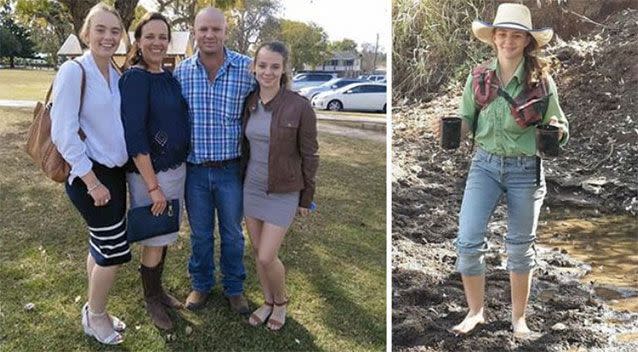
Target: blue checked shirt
pixel 215 108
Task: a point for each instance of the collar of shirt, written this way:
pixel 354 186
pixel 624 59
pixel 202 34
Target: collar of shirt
pixel 90 67
pixel 230 58
pixel 518 73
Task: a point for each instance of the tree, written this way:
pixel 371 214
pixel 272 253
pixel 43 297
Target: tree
pixel 16 41
pixel 368 60
pixel 78 9
pixel 182 12
pixel 247 20
pixel 126 8
pixel 46 18
pixel 67 16
pixel 308 43
pixel 347 45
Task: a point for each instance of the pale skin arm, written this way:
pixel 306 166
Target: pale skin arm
pixel 100 194
pixel 554 122
pixel 143 164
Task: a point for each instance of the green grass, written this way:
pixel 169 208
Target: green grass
pixel 25 84
pixel 335 263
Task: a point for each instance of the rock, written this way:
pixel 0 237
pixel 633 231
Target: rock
pixel 188 330
pixel 29 307
pixel 559 327
pixel 548 294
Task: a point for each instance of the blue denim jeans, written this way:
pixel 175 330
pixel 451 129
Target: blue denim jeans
pixel 489 178
pixel 211 191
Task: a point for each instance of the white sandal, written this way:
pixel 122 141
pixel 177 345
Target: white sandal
pixel 114 339
pixel 118 325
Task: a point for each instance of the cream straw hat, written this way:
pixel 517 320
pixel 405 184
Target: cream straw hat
pixel 511 16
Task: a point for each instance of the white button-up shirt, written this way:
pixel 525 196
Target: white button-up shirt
pixel 99 119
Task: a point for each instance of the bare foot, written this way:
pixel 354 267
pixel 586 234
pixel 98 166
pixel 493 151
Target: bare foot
pixel 521 331
pixel 260 315
pixel 469 323
pixel 278 317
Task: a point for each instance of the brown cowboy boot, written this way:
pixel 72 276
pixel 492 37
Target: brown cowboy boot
pixel 166 298
pixel 151 281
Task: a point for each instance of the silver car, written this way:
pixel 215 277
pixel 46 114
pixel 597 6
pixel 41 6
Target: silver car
pixel 310 92
pixel 303 80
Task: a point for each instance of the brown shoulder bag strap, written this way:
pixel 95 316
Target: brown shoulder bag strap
pixel 82 88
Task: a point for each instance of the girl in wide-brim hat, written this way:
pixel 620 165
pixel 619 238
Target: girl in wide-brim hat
pixel 505 161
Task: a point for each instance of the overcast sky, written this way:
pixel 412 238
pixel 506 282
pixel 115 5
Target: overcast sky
pixel 359 20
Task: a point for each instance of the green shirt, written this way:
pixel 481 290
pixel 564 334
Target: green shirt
pixel 497 131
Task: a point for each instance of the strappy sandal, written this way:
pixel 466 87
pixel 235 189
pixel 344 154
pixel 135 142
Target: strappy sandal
pixel 114 339
pixel 256 318
pixel 118 325
pixel 274 324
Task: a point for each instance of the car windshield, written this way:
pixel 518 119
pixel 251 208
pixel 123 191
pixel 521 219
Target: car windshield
pixel 330 83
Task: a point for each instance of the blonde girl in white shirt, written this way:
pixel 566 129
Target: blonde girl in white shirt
pixel 96 185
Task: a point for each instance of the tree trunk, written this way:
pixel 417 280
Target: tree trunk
pixel 126 8
pixel 78 10
pixel 11 62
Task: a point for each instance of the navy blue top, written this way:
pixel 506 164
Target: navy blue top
pixel 155 118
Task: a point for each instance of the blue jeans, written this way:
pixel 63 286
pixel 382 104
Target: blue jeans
pixel 489 178
pixel 210 191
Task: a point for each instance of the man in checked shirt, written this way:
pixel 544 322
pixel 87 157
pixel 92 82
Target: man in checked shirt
pixel 215 82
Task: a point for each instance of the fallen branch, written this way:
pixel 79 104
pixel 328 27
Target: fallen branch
pixel 587 19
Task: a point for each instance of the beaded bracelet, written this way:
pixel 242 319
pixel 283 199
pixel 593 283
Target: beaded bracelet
pixel 92 188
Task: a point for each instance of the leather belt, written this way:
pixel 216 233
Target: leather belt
pixel 218 164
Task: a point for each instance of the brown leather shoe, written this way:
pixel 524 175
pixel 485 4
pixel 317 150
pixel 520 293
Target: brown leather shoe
pixel 238 304
pixel 196 299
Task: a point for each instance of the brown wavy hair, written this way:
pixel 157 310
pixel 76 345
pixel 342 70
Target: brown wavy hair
pixel 281 49
pixel 134 55
pixel 536 67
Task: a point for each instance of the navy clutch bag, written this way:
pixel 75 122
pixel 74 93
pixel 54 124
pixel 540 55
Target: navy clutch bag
pixel 142 224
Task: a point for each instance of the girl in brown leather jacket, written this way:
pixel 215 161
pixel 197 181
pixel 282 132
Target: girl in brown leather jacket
pixel 280 153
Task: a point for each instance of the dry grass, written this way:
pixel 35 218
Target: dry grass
pixel 20 84
pixel 432 44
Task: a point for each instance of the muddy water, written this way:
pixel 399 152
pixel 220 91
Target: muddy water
pixel 609 244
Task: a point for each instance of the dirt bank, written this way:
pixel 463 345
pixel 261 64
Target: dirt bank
pixel 598 87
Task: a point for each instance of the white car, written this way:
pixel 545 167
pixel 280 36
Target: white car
pixel 357 96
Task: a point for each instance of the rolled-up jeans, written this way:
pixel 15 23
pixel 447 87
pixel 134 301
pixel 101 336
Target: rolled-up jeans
pixel 489 178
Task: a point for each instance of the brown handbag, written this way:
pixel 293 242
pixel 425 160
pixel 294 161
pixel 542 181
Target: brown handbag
pixel 39 145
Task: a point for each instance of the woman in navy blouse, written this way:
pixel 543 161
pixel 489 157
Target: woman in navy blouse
pixel 156 129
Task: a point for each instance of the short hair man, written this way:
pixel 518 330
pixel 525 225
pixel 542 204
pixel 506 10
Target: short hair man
pixel 215 82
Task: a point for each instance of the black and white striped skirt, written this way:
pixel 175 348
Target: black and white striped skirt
pixel 106 224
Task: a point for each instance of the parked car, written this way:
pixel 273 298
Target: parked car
pixel 357 96
pixel 310 92
pixel 376 78
pixel 303 80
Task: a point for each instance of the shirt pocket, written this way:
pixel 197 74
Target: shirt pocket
pixel 232 107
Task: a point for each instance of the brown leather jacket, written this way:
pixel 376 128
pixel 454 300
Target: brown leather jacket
pixel 293 150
